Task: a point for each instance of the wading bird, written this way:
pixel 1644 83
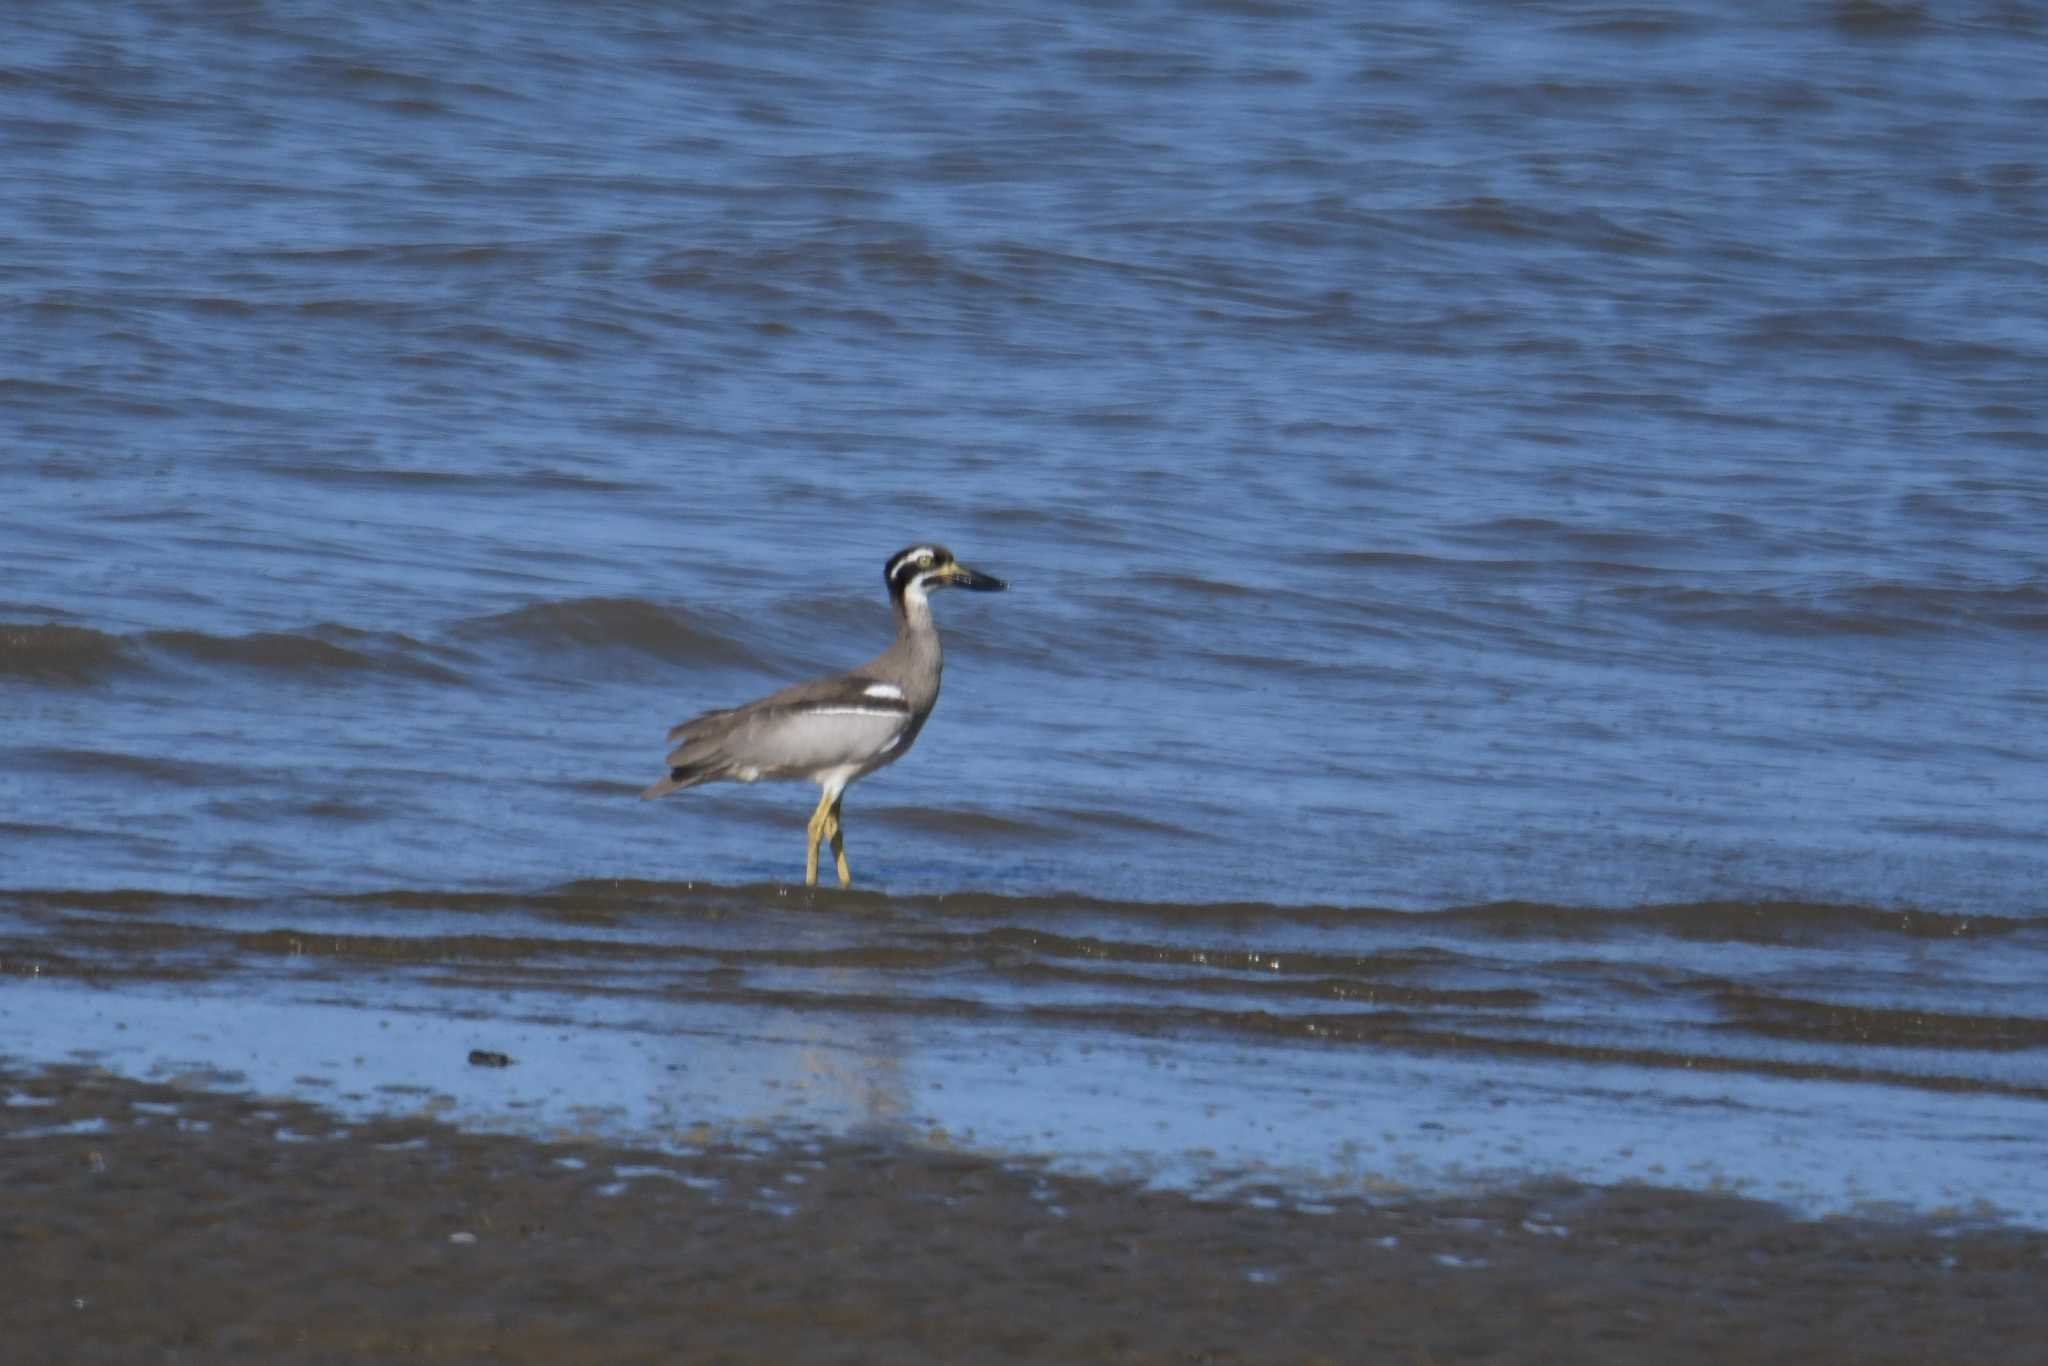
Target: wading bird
pixel 835 729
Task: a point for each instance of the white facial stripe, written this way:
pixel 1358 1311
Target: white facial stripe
pixel 910 557
pixel 883 690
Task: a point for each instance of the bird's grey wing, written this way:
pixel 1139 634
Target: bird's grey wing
pixel 848 718
pixel 848 689
pixel 805 739
pixel 698 725
pixel 840 690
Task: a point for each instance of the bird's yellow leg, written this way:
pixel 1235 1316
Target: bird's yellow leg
pixel 838 844
pixel 816 831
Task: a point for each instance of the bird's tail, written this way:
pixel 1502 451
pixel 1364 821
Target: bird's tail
pixel 681 776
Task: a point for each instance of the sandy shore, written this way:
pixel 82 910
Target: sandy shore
pixel 145 1222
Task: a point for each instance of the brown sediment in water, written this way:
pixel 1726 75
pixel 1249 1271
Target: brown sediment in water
pixel 142 1221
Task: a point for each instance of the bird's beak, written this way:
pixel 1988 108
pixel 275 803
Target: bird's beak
pixel 960 576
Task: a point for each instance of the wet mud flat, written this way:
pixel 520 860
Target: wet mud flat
pixel 144 1221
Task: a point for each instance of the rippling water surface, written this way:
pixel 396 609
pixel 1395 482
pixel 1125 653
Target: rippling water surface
pixel 1582 459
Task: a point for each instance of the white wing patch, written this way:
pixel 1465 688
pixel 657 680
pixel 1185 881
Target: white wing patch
pixel 854 711
pixel 883 690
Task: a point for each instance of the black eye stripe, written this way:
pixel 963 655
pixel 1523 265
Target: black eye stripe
pixel 906 565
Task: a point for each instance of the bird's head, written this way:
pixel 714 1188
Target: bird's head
pixel 921 568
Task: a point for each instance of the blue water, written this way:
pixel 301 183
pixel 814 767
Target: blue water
pixel 1547 453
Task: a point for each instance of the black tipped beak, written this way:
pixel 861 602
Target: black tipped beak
pixel 963 577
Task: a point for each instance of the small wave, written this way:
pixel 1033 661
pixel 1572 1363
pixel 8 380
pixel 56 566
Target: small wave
pixel 1380 996
pixel 1544 532
pixel 60 654
pixel 118 901
pixel 79 655
pixel 1848 332
pixel 1005 917
pixel 1395 561
pixel 312 655
pixel 1882 609
pixel 1636 23
pixel 1420 1034
pixel 1488 216
pixel 1870 19
pixel 529 481
pixel 1785 1017
pixel 1194 585
pixel 1142 66
pixel 614 624
pixel 1098 818
pixel 118 766
pixel 1795 922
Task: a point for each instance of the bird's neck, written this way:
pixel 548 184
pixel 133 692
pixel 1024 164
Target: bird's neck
pixel 916 635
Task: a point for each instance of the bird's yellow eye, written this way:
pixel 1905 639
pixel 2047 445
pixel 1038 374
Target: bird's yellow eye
pixel 924 561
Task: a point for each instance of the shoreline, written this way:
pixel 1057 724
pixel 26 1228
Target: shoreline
pixel 148 1218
